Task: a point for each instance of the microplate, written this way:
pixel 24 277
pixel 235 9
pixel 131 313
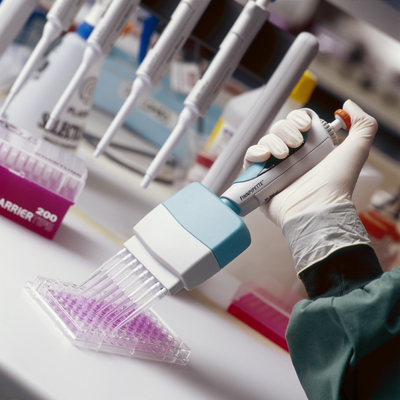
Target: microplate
pixel 146 336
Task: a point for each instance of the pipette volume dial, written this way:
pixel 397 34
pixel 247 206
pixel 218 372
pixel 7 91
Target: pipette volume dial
pixel 262 181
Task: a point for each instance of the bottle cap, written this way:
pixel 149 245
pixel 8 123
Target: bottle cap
pixel 304 88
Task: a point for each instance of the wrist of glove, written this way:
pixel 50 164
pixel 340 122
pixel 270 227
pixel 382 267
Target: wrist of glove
pixel 320 201
pixel 314 235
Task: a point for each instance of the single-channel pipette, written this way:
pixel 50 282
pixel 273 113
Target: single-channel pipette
pixel 13 16
pixel 99 44
pixel 59 19
pixel 199 100
pixel 157 61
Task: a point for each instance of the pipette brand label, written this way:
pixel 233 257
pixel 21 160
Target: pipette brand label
pixel 252 190
pixel 16 210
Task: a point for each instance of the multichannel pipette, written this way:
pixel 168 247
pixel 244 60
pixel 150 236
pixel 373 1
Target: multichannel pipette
pixel 147 336
pixel 157 61
pixel 99 44
pixel 192 235
pixel 199 100
pixel 59 19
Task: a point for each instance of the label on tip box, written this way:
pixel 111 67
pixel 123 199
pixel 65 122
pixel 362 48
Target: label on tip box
pixel 38 181
pixel 30 205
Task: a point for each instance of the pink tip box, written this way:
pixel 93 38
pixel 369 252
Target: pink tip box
pixel 38 180
pixel 265 304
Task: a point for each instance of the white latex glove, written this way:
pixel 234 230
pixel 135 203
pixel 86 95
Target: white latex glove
pixel 332 181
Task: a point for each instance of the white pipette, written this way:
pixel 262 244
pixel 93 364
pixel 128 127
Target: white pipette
pixel 199 100
pixel 13 16
pixel 157 61
pixel 99 44
pixel 59 19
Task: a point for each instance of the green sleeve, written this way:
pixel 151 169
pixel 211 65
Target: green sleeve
pixel 345 344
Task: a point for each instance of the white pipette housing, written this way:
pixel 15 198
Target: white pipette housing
pixel 99 44
pixel 59 19
pixel 157 61
pixel 221 68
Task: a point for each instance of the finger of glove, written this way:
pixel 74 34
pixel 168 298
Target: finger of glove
pixel 288 132
pixel 300 119
pixel 267 145
pixel 350 156
pixel 254 154
pixel 363 126
pixel 275 144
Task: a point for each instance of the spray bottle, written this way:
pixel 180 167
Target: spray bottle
pixel 32 105
pixel 99 44
pixel 59 19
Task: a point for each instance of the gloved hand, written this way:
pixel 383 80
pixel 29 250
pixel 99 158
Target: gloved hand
pixel 332 181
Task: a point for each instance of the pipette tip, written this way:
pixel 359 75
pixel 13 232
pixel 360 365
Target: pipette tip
pixel 146 181
pixel 97 152
pixel 50 124
pixel 5 106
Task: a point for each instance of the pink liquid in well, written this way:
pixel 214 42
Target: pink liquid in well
pixel 89 321
pixel 84 314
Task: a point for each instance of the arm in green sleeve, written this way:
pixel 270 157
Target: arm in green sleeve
pixel 344 341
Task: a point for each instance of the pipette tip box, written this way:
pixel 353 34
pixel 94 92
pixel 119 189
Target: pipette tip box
pixel 39 181
pixel 146 336
pixel 265 305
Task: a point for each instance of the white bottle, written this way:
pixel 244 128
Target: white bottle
pixel 234 113
pixel 31 108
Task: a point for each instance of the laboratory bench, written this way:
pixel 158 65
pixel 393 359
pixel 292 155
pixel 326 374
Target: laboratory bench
pixel 228 360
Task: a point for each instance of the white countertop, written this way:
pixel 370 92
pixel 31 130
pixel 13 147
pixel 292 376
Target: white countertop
pixel 229 361
pixel 226 362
